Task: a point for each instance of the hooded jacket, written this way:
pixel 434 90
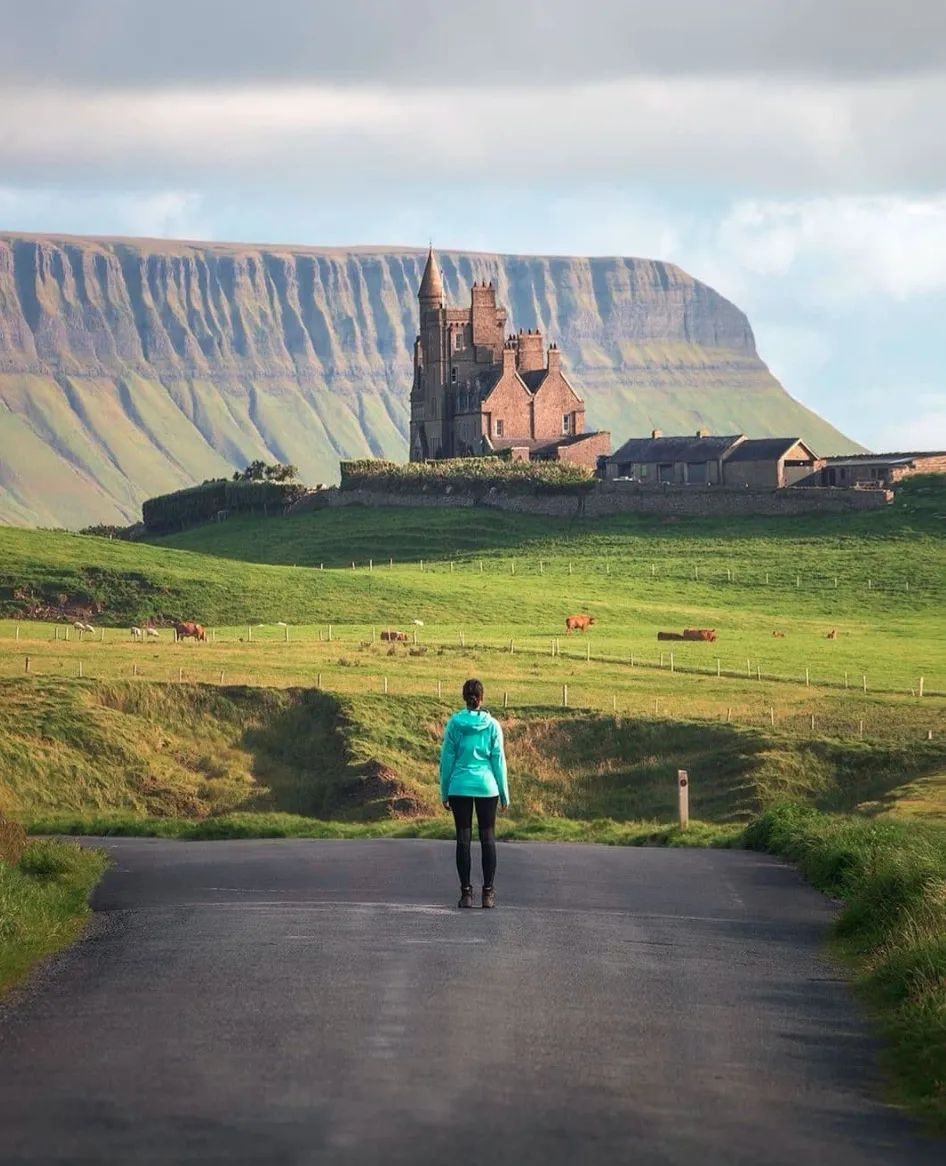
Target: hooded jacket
pixel 472 760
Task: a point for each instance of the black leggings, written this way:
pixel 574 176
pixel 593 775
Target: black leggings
pixel 486 824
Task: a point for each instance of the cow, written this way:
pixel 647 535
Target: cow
pixel 669 636
pixel 136 633
pixel 704 635
pixel 194 631
pixel 832 635
pixel 83 627
pixel 778 635
pixel 578 623
pixel 394 637
pixel 153 633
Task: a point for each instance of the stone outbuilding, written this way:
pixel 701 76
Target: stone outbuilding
pixel 878 469
pixel 769 463
pixel 654 460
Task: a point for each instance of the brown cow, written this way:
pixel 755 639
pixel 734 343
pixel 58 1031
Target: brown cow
pixel 779 635
pixel 578 623
pixel 669 636
pixel 705 635
pixel 832 635
pixel 395 637
pixel 194 631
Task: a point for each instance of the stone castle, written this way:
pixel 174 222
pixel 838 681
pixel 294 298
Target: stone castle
pixel 478 391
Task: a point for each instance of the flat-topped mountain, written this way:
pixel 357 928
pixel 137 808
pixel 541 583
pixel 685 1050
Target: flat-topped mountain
pixel 130 367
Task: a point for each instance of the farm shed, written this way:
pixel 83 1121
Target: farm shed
pixel 769 463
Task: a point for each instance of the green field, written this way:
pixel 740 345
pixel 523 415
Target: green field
pixel 844 721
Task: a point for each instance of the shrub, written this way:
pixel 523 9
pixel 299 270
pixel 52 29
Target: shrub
pixel 203 503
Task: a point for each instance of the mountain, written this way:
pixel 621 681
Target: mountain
pixel 130 367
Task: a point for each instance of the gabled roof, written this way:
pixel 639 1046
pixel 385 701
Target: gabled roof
pixel 763 449
pixel 676 449
pixel 534 378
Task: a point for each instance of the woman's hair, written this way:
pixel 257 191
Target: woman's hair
pixel 473 694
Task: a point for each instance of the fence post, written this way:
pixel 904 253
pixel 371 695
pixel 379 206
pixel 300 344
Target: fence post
pixel 812 722
pixel 287 633
pixel 249 635
pixel 587 649
pixel 772 717
pixel 564 696
pixel 318 681
pixel 505 700
pixel 865 683
pixel 134 669
pixel 807 678
pixel 329 633
pixel 80 669
pixel 439 689
pixel 17 637
pixel 385 686
pixel 683 798
pixel 671 662
pixel 920 690
pixel 27 664
pixel 718 668
pixel 180 674
pixel 221 677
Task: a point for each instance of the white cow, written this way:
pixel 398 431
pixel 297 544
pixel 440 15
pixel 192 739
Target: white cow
pixel 152 632
pixel 136 633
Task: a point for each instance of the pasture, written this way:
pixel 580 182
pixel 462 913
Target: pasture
pixel 487 593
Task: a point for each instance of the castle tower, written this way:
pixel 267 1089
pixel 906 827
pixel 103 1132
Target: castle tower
pixel 430 294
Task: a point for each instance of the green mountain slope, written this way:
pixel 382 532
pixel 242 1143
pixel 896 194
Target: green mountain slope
pixel 133 367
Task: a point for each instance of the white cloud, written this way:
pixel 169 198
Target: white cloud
pixel 747 133
pixel 169 214
pixel 845 249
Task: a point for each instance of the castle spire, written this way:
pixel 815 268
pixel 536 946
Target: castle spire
pixel 431 286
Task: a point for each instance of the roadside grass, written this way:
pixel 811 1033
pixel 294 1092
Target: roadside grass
pixel 139 749
pixel 891 878
pixel 44 898
pixel 535 828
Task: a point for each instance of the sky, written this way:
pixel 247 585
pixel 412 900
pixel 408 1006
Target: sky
pixel 791 153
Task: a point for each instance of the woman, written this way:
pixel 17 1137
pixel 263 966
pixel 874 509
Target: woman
pixel 473 775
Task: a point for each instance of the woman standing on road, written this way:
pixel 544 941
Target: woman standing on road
pixel 473 775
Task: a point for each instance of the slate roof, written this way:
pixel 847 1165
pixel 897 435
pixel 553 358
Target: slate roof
pixel 675 449
pixel 882 459
pixel 534 378
pixel 763 449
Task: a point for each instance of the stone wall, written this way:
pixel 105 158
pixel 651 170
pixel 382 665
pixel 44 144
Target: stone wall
pixel 627 498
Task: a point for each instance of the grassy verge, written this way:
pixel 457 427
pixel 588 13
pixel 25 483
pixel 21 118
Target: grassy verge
pixel 891 877
pixel 535 828
pixel 43 903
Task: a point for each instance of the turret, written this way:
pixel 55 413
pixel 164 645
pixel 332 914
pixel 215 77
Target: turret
pixel 430 294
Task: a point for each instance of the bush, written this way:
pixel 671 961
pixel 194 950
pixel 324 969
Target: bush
pixel 477 474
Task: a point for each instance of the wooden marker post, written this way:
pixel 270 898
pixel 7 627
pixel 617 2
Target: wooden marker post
pixel 920 689
pixel 683 798
pixel 564 696
pixel 385 686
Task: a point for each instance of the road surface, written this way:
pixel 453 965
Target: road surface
pixel 290 1002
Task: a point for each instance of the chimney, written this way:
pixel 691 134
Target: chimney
pixel 554 358
pixel 702 433
pixel 509 358
pixel 655 433
pixel 531 356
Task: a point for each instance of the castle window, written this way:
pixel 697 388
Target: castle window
pixel 566 423
pixel 453 376
pixel 499 428
pixel 459 340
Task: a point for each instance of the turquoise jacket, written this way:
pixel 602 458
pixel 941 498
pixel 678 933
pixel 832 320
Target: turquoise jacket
pixel 472 760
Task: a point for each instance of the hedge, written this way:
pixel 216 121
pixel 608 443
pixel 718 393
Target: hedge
pixel 199 504
pixel 476 474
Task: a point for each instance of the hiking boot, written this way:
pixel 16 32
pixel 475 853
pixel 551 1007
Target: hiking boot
pixel 489 897
pixel 466 897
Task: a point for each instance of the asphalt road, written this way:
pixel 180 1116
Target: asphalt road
pixel 324 1002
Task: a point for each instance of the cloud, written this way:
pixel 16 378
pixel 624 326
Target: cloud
pixel 752 134
pixel 168 214
pixel 423 43
pixel 843 250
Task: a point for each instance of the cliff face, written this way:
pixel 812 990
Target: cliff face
pixel 133 367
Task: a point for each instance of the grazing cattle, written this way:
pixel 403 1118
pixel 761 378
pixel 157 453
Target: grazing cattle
pixel 152 632
pixel 832 635
pixel 704 635
pixel 136 633
pixel 193 631
pixel 394 637
pixel 418 622
pixel 779 635
pixel 83 627
pixel 669 636
pixel 578 623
